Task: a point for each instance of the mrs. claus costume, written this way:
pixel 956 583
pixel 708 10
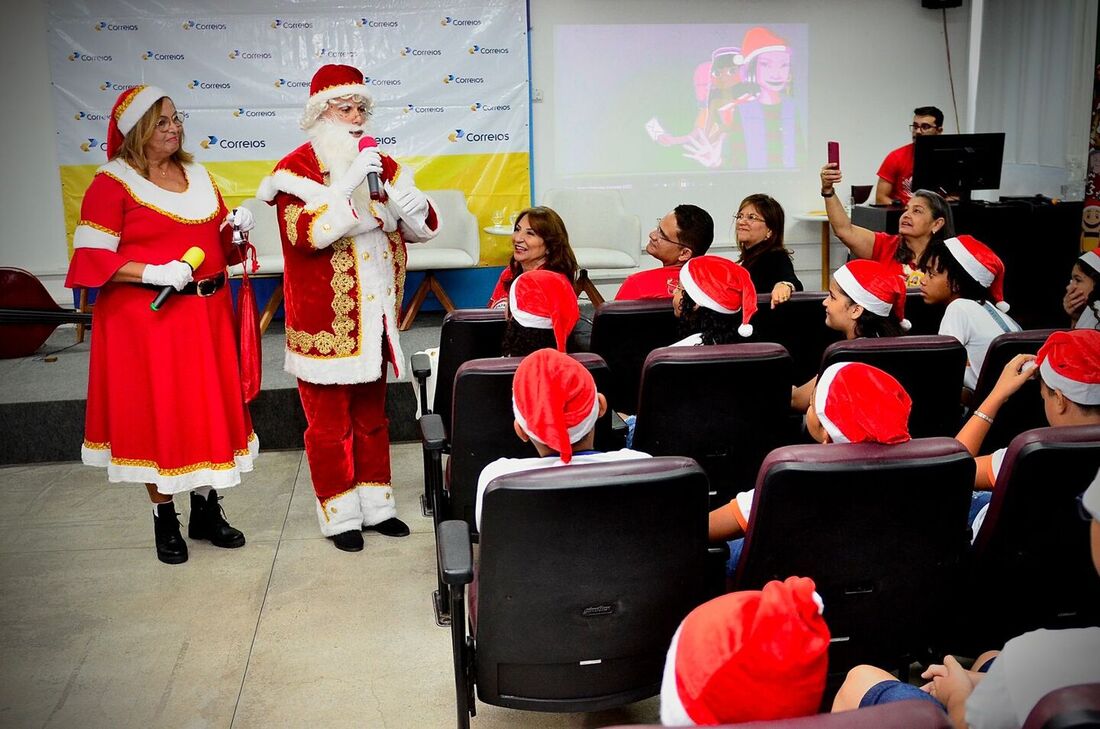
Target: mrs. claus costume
pixel 344 274
pixel 165 404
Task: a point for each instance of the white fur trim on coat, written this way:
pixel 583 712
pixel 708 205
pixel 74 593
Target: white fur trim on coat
pixel 337 219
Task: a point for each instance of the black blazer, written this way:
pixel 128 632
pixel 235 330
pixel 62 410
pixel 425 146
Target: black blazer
pixel 771 268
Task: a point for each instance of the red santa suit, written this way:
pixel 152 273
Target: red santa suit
pixel 344 275
pixel 165 404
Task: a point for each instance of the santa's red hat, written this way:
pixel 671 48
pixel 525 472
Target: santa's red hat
pixel 554 400
pixel 757 41
pixel 858 403
pixel 333 81
pixel 983 265
pixel 1069 361
pixel 720 285
pixel 874 287
pixel 1091 259
pixel 542 299
pixel 745 656
pixel 130 106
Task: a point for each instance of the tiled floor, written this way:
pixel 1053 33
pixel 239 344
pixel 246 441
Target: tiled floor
pixel 285 632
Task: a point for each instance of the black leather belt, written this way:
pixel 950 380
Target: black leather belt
pixel 202 287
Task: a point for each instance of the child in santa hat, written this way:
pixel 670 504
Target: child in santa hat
pixel 968 278
pixel 1008 683
pixel 747 656
pixel 1082 299
pixel 542 311
pixel 714 302
pixel 556 406
pixel 852 402
pixel 1068 366
pixel 866 299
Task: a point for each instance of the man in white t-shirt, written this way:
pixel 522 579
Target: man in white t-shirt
pixel 556 406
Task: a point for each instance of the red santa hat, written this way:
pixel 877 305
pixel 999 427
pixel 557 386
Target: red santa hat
pixel 1069 361
pixel 554 400
pixel 858 403
pixel 542 299
pixel 746 656
pixel 333 81
pixel 874 287
pixel 983 265
pixel 1091 259
pixel 130 106
pixel 720 285
pixel 757 41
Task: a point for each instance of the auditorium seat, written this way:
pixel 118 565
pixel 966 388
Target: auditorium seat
pixel 1024 410
pixel 898 715
pixel 1070 707
pixel 930 368
pixel 726 406
pixel 799 325
pixel 924 318
pixel 624 333
pixel 584 574
pixel 881 529
pixel 1031 565
pixel 482 431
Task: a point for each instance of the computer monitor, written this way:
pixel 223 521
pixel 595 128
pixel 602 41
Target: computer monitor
pixel 955 164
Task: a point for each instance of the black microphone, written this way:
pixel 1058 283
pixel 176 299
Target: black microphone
pixel 193 258
pixel 373 184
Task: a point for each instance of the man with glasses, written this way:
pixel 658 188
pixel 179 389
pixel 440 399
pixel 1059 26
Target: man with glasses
pixel 685 232
pixel 895 175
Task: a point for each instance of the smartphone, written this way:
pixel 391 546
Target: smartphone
pixel 834 153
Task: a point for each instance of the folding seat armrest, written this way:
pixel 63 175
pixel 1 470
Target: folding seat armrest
pixel 422 369
pixel 456 559
pixel 432 436
pixel 714 581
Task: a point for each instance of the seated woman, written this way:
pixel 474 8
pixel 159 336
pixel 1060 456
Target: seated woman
pixel 758 227
pixel 865 300
pixel 542 311
pixel 714 302
pixel 1082 299
pixel 539 240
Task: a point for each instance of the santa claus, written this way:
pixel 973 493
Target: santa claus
pixel 344 272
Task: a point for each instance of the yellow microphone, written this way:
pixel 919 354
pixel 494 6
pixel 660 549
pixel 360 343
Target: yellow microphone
pixel 193 258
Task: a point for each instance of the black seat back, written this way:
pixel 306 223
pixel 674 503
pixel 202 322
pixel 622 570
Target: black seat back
pixel 584 574
pixel 881 529
pixel 482 429
pixel 799 325
pixel 466 334
pixel 624 333
pixel 1032 551
pixel 1024 410
pixel 1069 707
pixel 726 406
pixel 930 368
pixel 924 318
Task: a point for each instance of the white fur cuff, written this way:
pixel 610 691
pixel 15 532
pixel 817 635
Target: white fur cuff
pixel 377 502
pixel 340 514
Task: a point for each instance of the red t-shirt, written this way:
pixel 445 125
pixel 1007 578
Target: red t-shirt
pixel 897 169
pixel 654 284
pixel 886 245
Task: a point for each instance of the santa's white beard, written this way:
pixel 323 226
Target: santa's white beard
pixel 336 148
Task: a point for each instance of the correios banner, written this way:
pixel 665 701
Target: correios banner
pixel 450 87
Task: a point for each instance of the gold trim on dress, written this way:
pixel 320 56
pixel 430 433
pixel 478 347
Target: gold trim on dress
pixel 100 228
pixel 170 472
pixel 165 213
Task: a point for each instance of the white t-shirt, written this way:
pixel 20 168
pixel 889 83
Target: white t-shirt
pixel 975 325
pixel 502 466
pixel 1087 320
pixel 1031 666
pixel 997 458
pixel 692 340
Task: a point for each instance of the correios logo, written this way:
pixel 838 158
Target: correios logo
pixel 219 143
pixel 291 24
pixel 208 85
pixel 158 56
pixel 104 25
pixel 249 55
pixel 291 84
pixel 333 53
pixel 456 135
pixel 78 56
pixel 410 51
pixel 249 113
pixel 368 23
pixel 91 144
pixel 475 49
pixel 200 25
pixel 490 107
pixel 452 79
pixel 473 137
pixel 371 81
pixel 412 108
pixel 90 116
pixel 112 86
pixel 459 21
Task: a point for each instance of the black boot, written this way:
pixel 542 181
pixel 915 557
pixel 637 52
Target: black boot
pixel 208 522
pixel 171 549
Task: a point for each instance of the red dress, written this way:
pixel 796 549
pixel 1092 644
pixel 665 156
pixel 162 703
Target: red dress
pixel 165 404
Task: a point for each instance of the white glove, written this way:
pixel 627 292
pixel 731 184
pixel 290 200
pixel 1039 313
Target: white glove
pixel 176 274
pixel 368 160
pixel 242 219
pixel 412 205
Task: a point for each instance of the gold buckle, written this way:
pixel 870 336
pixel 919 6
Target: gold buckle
pixel 206 286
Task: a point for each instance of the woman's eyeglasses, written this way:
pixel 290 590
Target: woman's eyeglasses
pixel 164 122
pixel 751 217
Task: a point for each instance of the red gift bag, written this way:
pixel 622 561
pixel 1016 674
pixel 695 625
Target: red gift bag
pixel 248 320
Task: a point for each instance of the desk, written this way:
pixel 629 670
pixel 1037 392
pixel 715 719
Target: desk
pixel 819 216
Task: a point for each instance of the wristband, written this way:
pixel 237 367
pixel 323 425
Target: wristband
pixel 827 194
pixel 983 416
